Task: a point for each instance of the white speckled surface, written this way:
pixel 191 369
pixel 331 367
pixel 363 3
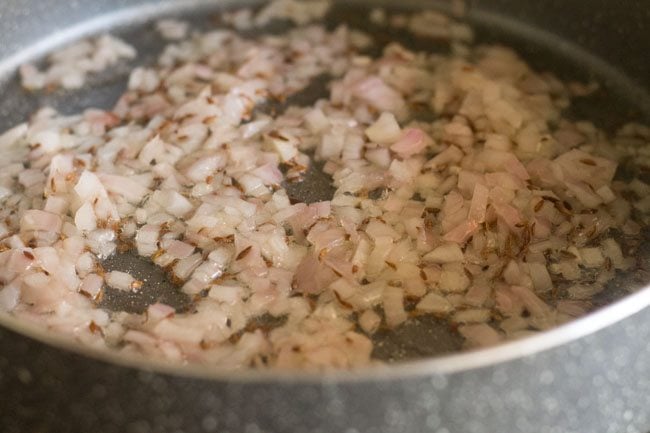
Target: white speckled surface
pixel 594 383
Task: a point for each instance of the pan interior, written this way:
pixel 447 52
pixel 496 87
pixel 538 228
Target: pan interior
pixel 616 102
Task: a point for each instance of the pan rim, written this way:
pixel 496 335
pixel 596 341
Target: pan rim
pixel 442 365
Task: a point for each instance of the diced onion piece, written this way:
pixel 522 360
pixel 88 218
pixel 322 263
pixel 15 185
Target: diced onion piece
pixel 612 250
pixel 41 220
pixel 89 186
pixel 461 232
pixel 159 311
pixel 285 145
pixel 478 206
pixel 316 120
pixel 92 285
pixel 434 304
pixel 381 96
pixel 146 239
pixel 173 202
pixel 9 297
pixel 446 253
pixel 412 142
pixel 85 218
pixel 120 280
pixel 540 277
pixel 592 257
pixel 480 335
pixel 472 316
pixel 128 188
pixel 369 321
pixel 385 130
pixel 453 278
pixel 393 301
pixel 178 249
pixel 535 305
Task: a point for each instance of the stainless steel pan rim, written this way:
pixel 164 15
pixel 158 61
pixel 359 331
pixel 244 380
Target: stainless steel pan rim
pixel 447 364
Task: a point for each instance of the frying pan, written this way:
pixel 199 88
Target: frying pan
pixel 591 375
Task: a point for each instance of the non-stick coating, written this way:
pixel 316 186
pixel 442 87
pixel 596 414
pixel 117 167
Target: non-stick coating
pixel 420 337
pixel 596 383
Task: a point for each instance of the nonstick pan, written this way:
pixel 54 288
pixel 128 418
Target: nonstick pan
pixel 592 375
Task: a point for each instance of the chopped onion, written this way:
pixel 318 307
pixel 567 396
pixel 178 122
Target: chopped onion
pixel 393 302
pixel 474 216
pixel 9 297
pixel 92 285
pixel 480 335
pixel 447 253
pixel 435 304
pixel 120 280
pixel 385 130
